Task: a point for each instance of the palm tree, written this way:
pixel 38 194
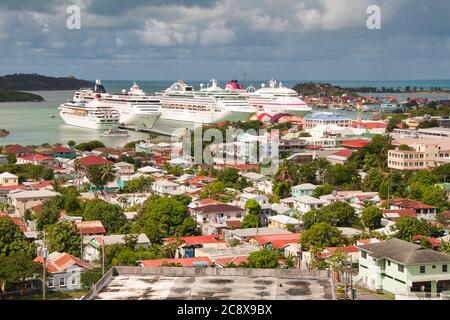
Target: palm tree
pixel 77 168
pixel 321 165
pixel 57 184
pixel 3 133
pixel 285 172
pixel 108 174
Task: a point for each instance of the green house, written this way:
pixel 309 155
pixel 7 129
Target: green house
pixel 403 268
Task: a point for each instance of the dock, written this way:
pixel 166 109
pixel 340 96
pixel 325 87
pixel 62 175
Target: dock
pixel 148 130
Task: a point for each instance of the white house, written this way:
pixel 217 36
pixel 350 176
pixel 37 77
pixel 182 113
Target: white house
pixel 283 222
pixel 28 199
pixel 164 186
pixel 93 245
pixel 307 203
pixel 124 168
pixel 8 179
pixel 304 189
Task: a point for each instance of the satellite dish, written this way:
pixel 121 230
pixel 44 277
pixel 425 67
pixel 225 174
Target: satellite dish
pixel 124 91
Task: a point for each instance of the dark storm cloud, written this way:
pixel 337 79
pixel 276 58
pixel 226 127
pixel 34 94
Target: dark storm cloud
pixel 303 39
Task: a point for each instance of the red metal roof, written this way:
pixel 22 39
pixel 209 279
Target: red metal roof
pixel 410 204
pixel 344 153
pixel 62 262
pixel 402 212
pixel 235 260
pixel 329 251
pixel 93 160
pixel 357 143
pixel 61 149
pixel 35 157
pixel 278 240
pixel 434 242
pixel 192 240
pixel 17 148
pixel 90 227
pixel 184 262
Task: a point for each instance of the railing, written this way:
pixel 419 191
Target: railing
pixel 102 283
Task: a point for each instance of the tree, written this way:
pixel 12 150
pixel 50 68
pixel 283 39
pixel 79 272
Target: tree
pixel 48 216
pixel 77 168
pixel 282 189
pixel 71 143
pixel 373 180
pixel 322 235
pixel 17 267
pixel 345 176
pixel 141 184
pixel 251 219
pixel 213 190
pixel 63 237
pixel 444 247
pixel 264 259
pixel 323 190
pixel 371 217
pixel 110 215
pixel 435 196
pixel 321 166
pixel 339 214
pixel 166 217
pixel 408 227
pixel 108 173
pixel 228 176
pixel 90 145
pixel 12 240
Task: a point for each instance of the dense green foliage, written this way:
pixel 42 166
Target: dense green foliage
pixel 322 235
pixel 18 96
pixel 263 259
pixel 110 215
pixel 63 236
pixel 28 171
pixel 12 240
pixel 408 227
pixel 338 214
pixel 371 217
pixel 90 145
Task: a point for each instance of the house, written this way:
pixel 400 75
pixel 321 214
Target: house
pixel 340 157
pixel 8 179
pixel 247 234
pixel 423 211
pixel 422 154
pixel 281 209
pixel 65 271
pixel 326 118
pixel 93 246
pixel 304 189
pixel 3 159
pixel 23 200
pixel 305 204
pixel 183 262
pixel 18 150
pixel 275 241
pixel 216 213
pixel 189 245
pixel 355 144
pixel 148 170
pixel 93 160
pixel 124 168
pixel 164 186
pixel 255 177
pixel 265 186
pixel 351 252
pixel 403 268
pixel 284 222
pixel 393 215
pixel 36 159
pixel 263 201
pixel 62 152
pixel 90 228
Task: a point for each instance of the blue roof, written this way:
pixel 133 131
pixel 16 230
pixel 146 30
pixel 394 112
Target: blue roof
pixel 326 116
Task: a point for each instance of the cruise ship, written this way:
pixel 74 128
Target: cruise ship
pixel 91 115
pixel 273 99
pixel 210 104
pixel 135 106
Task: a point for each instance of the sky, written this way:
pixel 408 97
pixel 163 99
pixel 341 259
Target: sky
pixel 225 39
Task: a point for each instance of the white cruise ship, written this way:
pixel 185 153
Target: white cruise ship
pixel 274 99
pixel 208 105
pixel 135 106
pixel 91 115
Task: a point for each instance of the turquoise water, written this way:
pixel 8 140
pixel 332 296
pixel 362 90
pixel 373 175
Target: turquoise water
pixel 30 122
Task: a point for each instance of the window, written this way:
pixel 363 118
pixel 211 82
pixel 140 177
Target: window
pixel 62 282
pixel 401 268
pixel 422 269
pixel 389 263
pixel 74 281
pixel 363 254
pixel 444 268
pixel 434 267
pixel 51 283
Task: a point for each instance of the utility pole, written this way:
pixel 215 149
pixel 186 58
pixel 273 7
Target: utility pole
pixel 44 265
pixel 81 239
pixel 103 256
pixel 351 277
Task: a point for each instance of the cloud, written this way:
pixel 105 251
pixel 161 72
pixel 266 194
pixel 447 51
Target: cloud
pixel 263 38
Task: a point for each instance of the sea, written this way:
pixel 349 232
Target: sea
pixel 35 123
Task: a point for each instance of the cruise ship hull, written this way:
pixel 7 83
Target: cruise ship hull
pixel 207 117
pixel 86 122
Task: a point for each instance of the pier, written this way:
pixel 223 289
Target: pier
pixel 149 130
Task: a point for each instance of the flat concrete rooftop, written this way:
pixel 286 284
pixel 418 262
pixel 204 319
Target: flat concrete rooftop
pixel 211 283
